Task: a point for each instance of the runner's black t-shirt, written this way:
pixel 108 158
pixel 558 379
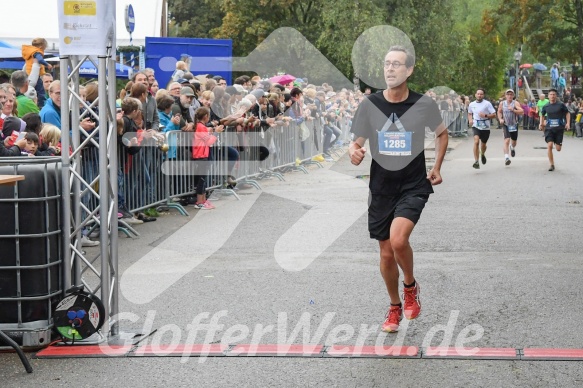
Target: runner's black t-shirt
pixel 555 115
pixel 393 172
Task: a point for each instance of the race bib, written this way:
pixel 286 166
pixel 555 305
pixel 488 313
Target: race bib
pixel 512 128
pixel 481 124
pixel 554 123
pixel 395 143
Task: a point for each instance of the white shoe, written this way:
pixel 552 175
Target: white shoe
pixel 85 242
pixel 132 220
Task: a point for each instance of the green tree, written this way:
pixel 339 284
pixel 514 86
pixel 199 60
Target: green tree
pixel 455 44
pixel 249 22
pixel 550 28
pixel 194 18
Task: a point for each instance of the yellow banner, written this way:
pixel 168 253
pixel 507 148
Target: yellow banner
pixel 80 8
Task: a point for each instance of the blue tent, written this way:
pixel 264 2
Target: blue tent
pixel 10 53
pixel 87 69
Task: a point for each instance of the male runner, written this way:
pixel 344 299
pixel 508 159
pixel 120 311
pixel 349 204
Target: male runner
pixel 539 106
pixel 479 114
pixel 555 118
pixel 508 112
pixel 394 122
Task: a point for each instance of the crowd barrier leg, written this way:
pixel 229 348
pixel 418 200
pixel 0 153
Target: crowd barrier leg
pixel 249 158
pixel 221 166
pixel 298 148
pixel 308 147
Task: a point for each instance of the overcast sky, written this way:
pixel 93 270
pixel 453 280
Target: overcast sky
pixel 39 19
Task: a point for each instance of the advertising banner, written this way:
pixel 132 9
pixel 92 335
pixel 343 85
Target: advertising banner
pixel 86 27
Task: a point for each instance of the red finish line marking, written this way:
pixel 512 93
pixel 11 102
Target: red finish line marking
pixel 470 353
pixel 552 354
pixel 296 350
pixel 194 350
pixel 282 350
pixel 84 351
pixel 372 351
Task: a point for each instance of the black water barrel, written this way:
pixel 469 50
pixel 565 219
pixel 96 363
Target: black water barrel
pixel 30 243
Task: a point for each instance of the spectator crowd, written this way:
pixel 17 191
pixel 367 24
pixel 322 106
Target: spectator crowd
pixel 204 106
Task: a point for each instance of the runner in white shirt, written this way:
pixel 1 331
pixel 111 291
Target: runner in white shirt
pixel 479 114
pixel 508 112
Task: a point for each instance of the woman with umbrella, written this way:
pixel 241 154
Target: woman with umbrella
pixel 538 72
pixel 284 79
pixel 523 73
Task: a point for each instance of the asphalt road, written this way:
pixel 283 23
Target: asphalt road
pixel 497 252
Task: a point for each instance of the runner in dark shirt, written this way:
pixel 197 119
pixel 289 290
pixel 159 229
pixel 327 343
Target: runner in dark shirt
pixel 394 121
pixel 555 118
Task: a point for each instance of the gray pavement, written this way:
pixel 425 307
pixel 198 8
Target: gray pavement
pixel 497 252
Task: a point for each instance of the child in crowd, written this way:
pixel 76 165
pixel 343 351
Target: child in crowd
pixel 30 53
pixel 31 144
pixel 50 136
pixel 181 69
pixel 203 140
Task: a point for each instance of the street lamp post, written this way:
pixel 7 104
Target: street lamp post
pixel 356 81
pixel 517 58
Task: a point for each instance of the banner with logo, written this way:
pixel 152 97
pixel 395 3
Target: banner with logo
pixel 86 27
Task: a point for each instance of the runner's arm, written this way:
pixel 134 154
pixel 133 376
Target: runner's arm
pixel 441 140
pixel 356 150
pixel 568 121
pixel 500 114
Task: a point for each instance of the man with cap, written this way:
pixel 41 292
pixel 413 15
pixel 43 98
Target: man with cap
pixel 509 111
pixel 236 97
pixel 240 89
pixel 182 108
pixel 264 120
pixel 8 145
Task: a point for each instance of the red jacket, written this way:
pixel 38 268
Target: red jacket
pixel 202 142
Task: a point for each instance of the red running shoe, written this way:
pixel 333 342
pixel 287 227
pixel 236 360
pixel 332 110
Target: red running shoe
pixel 393 317
pixel 412 304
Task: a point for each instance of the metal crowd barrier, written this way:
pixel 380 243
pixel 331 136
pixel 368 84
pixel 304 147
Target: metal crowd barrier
pixel 159 175
pixel 456 122
pixel 261 154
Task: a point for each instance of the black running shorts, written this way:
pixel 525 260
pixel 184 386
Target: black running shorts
pixel 383 209
pixel 507 134
pixel 554 135
pixel 484 134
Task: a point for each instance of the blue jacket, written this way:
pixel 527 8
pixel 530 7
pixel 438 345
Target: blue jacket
pixel 166 122
pixel 51 114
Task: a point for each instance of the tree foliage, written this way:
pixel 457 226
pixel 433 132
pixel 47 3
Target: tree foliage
pixel 456 41
pixel 550 28
pixel 194 18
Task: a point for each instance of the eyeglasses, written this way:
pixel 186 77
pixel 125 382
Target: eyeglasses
pixel 395 64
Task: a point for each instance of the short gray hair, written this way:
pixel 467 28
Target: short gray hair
pixel 19 79
pixel 410 61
